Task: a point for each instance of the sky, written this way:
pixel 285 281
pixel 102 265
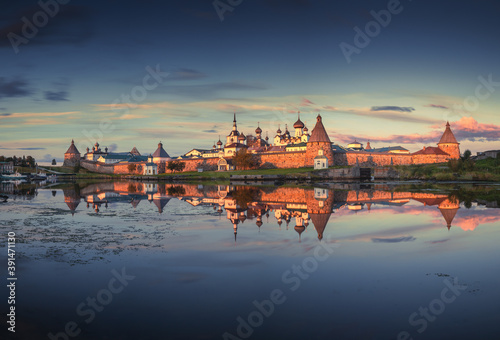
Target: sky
pixel 133 73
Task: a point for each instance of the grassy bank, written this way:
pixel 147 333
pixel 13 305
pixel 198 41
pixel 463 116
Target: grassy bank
pixel 482 170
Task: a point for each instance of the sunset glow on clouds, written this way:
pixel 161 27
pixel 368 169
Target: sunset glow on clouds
pixel 77 73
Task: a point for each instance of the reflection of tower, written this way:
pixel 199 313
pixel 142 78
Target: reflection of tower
pixel 299 229
pixel 233 214
pixel 71 198
pixel 160 202
pixel 449 209
pixel 319 208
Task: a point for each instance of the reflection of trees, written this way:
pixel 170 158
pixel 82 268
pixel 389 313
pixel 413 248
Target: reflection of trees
pixel 176 190
pixel 469 195
pixel 132 188
pixel 245 195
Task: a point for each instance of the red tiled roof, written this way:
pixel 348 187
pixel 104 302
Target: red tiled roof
pixel 448 136
pixel 430 150
pixel 319 134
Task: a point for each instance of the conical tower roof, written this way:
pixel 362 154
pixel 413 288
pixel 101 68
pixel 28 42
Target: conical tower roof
pixel 448 136
pixel 160 152
pixel 135 152
pixel 72 148
pixel 320 221
pixel 319 134
pixel 449 215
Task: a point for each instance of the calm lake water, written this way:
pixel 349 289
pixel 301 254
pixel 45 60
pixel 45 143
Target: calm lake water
pixel 128 260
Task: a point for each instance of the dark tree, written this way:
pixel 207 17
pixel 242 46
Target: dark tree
pixel 243 160
pixel 132 167
pixel 176 166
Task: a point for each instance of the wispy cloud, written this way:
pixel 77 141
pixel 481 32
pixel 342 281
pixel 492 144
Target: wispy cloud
pixel 14 88
pixel 185 74
pixel 394 239
pixel 41 114
pixel 25 149
pixel 210 90
pixel 306 102
pixel 56 95
pixel 393 108
pixel 436 106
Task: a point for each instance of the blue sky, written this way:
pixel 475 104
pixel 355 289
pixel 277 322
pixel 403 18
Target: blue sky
pixel 81 75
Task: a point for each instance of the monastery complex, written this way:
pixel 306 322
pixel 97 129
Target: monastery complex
pixel 286 150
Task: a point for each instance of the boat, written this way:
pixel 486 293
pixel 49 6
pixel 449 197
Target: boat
pixel 16 176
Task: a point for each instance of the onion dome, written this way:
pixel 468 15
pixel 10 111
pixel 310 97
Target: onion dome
pixel 242 137
pixel 258 130
pixel 298 124
pixel 219 142
pixel 213 146
pixel 278 131
pixel 96 145
pixel 306 129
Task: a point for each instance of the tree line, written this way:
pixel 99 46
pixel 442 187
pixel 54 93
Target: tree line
pixel 24 161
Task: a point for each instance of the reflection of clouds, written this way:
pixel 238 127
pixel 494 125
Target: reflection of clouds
pixel 394 239
pixel 467 223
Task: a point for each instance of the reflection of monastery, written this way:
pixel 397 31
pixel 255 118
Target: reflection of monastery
pixel 285 150
pixel 288 207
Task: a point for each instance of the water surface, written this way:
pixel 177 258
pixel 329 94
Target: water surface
pixel 129 260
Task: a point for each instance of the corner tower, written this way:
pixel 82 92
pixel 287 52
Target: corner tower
pixel 72 156
pixel 448 143
pixel 319 140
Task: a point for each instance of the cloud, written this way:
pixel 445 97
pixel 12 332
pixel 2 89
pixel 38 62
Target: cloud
pixel 112 147
pixel 25 149
pixel 432 137
pixel 329 108
pixel 210 131
pixel 186 74
pixel 393 108
pixel 5 114
pixel 437 106
pixel 467 128
pixel 56 95
pixel 48 159
pixel 306 102
pixel 394 239
pixel 71 25
pixel 13 88
pixel 211 90
pixel 41 114
pixel 439 241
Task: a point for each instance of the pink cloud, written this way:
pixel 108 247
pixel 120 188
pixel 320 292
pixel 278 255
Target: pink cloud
pixel 306 102
pixel 437 106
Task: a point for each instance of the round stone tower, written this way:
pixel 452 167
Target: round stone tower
pixel 72 156
pixel 448 143
pixel 319 140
